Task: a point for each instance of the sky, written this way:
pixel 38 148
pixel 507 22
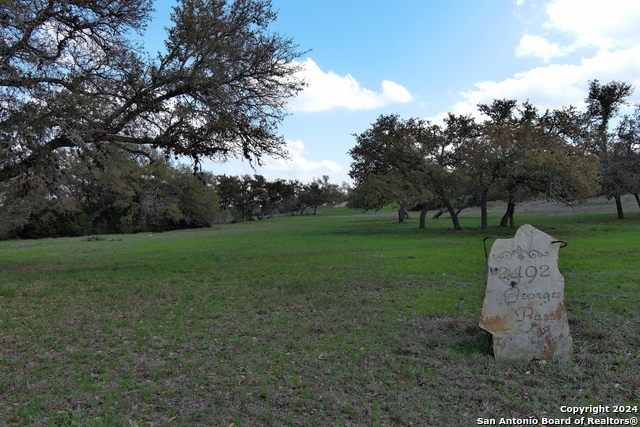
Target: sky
pixel 426 58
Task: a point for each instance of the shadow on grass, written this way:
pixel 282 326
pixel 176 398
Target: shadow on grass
pixel 460 335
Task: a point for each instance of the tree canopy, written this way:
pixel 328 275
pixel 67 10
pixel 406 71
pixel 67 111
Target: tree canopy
pixel 515 154
pixel 72 77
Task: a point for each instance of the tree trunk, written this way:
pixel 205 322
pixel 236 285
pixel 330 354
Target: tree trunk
pixel 508 216
pixel 505 217
pixel 484 222
pixel 637 199
pixel 454 216
pixel 619 207
pixel 423 215
pixel 402 214
pixel 438 214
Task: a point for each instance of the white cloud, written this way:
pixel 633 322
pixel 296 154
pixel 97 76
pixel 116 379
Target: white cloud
pixel 328 90
pixel 612 36
pixel 556 85
pixel 549 82
pixel 393 92
pixel 531 45
pixel 297 167
pixel 583 24
pixel 611 24
pixel 615 65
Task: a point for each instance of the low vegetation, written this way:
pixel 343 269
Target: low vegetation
pixel 335 319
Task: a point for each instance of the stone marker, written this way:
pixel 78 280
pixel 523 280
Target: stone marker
pixel 524 301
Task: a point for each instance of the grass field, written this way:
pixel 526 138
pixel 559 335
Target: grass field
pixel 339 319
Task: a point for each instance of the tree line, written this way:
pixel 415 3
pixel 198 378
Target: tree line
pixel 516 153
pixel 115 191
pixel 110 191
pixel 244 198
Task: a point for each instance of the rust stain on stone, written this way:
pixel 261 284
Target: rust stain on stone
pixel 550 349
pixel 494 324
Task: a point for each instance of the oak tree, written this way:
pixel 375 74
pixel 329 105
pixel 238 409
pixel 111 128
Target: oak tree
pixel 72 76
pixel 604 102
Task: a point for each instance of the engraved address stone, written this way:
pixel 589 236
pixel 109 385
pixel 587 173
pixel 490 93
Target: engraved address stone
pixel 524 300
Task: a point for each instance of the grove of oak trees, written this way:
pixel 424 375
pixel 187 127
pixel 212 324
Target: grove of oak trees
pixel 515 154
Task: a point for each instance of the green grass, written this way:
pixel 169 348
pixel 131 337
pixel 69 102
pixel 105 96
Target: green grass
pixel 334 319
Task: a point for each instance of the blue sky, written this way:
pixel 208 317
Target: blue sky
pixel 425 58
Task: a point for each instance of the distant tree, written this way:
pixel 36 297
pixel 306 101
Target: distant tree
pixel 622 175
pixel 382 148
pixel 463 155
pixel 315 194
pixel 240 196
pixel 195 196
pixel 279 194
pixel 245 197
pixel 21 201
pixel 527 155
pixel 379 190
pixel 603 104
pixel 228 188
pixel 336 194
pixel 567 172
pixel 289 191
pixel 259 193
pixel 115 192
pixel 72 76
pixel 413 157
pixel 385 161
pixel 165 197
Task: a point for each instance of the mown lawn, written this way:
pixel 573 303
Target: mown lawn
pixel 335 319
